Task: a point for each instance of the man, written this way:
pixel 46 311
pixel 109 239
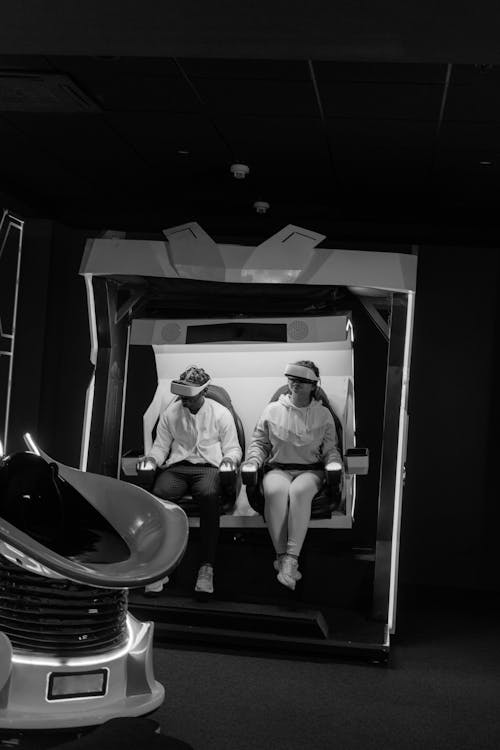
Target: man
pixel 196 436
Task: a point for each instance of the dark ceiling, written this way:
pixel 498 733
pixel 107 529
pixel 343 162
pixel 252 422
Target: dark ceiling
pixel 399 149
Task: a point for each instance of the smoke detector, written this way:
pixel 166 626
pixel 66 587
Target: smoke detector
pixel 261 206
pixel 239 171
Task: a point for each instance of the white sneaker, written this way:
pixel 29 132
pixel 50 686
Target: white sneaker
pixel 155 589
pixel 277 567
pixel 205 580
pixel 288 571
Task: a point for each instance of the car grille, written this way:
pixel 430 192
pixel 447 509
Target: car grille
pixel 42 615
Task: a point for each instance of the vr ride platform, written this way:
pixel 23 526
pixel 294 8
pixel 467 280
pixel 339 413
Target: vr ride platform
pixel 243 313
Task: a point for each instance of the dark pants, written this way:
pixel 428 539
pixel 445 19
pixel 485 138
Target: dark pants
pixel 202 482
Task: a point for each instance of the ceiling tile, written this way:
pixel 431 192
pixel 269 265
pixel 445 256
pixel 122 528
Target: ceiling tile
pixel 247 70
pixel 83 143
pixel 161 138
pixel 388 139
pixel 272 97
pixel 473 96
pixel 471 138
pixel 381 100
pixel 379 72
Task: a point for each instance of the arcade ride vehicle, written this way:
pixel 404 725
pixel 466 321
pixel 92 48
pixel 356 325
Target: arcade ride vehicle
pixel 72 545
pixel 243 313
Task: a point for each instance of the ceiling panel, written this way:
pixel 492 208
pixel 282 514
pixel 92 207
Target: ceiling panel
pixel 247 70
pixel 476 75
pixel 162 138
pixel 95 66
pixel 466 172
pixel 270 97
pixel 35 171
pixel 25 62
pixel 125 85
pixel 385 139
pixel 381 100
pixel 470 142
pixel 473 95
pixel 83 143
pixel 379 72
pixel 291 141
pixel 378 178
pixel 140 93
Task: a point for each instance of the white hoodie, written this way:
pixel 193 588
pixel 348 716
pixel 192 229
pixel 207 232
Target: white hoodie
pixel 288 434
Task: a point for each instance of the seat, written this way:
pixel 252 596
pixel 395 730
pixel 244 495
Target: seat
pixel 230 481
pixel 328 499
pixel 89 528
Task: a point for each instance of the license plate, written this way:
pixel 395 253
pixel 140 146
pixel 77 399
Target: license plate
pixel 64 685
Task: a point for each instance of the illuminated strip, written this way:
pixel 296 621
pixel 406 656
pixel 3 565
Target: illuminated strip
pixel 5 212
pixel 124 394
pixel 349 329
pixel 354 478
pixel 86 661
pixel 401 455
pixel 89 396
pixel 31 444
pixel 17 223
pixel 353 496
pixel 1 449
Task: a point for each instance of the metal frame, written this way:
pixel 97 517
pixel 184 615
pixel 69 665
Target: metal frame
pixel 377 271
pixel 395 433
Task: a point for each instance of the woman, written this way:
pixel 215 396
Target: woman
pixel 295 439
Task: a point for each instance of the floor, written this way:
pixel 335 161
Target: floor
pixel 440 689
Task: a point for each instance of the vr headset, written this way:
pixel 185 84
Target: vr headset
pixel 300 372
pixel 181 388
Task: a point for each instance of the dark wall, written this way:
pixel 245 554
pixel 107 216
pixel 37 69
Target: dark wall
pixel 66 368
pixel 450 509
pixel 141 386
pixel 28 372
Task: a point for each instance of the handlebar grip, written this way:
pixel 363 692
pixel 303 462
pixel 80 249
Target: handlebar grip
pixel 249 474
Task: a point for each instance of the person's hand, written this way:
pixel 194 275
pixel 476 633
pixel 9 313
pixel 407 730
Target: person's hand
pixel 226 465
pixel 334 466
pixel 250 465
pixel 147 464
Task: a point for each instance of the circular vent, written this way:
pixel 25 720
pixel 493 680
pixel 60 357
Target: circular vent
pixel 171 332
pixel 297 330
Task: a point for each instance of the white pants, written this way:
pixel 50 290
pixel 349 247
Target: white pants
pixel 288 496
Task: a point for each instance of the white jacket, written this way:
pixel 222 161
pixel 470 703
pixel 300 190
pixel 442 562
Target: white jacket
pixel 288 434
pixel 205 437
